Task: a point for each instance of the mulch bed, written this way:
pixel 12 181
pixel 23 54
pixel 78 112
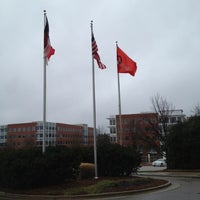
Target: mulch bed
pixel 61 188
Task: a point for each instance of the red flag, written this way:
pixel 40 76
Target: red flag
pixel 95 53
pixel 124 63
pixel 48 49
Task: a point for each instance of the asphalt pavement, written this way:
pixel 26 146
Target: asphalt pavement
pixel 163 171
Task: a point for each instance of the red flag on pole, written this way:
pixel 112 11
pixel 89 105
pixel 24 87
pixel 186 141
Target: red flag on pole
pixel 48 49
pixel 95 53
pixel 124 63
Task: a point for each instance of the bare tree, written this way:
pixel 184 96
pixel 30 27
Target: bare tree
pixel 153 135
pixel 196 110
pixel 164 109
pixel 101 129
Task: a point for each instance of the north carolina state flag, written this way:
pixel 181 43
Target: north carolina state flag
pixel 48 49
pixel 124 63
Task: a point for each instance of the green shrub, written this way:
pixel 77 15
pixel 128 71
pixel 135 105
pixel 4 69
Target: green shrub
pixel 183 145
pixel 116 160
pixel 30 168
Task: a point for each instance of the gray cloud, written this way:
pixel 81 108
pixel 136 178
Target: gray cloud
pixel 161 36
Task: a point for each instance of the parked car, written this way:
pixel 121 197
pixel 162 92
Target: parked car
pixel 159 163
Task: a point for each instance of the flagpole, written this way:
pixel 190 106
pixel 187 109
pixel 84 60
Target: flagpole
pixel 94 110
pixel 119 101
pixel 44 96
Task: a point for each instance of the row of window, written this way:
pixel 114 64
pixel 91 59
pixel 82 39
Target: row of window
pixel 20 136
pixel 47 127
pixel 41 135
pixel 40 143
pixel 28 129
pixel 33 128
pixel 134 120
pixel 14 144
pixel 68 143
pixel 69 136
pixel 140 120
pixel 22 129
pixel 3 131
pixel 65 129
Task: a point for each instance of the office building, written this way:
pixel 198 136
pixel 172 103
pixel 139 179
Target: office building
pixel 25 135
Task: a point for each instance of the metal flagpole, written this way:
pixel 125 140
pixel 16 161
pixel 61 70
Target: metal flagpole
pixel 94 110
pixel 119 100
pixel 44 95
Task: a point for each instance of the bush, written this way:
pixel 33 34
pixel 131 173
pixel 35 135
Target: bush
pixel 116 160
pixel 30 168
pixel 183 145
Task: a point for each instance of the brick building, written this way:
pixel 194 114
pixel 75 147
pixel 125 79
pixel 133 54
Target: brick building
pixel 25 135
pixel 135 127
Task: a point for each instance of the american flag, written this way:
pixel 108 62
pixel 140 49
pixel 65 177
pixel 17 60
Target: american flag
pixel 95 53
pixel 48 49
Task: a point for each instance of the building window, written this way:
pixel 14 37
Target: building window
pixel 112 121
pixel 173 120
pixel 112 130
pixel 178 119
pixel 126 137
pixel 126 121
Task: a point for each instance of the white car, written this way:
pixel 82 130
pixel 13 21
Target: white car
pixel 159 163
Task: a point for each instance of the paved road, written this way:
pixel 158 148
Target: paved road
pixel 181 189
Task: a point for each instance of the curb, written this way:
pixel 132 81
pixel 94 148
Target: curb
pixel 169 175
pixel 9 196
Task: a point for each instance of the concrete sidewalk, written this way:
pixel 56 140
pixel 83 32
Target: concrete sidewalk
pixel 162 171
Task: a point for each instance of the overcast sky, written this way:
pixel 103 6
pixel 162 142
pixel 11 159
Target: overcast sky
pixel 162 36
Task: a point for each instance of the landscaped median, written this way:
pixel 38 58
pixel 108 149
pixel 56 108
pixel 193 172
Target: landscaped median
pixel 88 188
